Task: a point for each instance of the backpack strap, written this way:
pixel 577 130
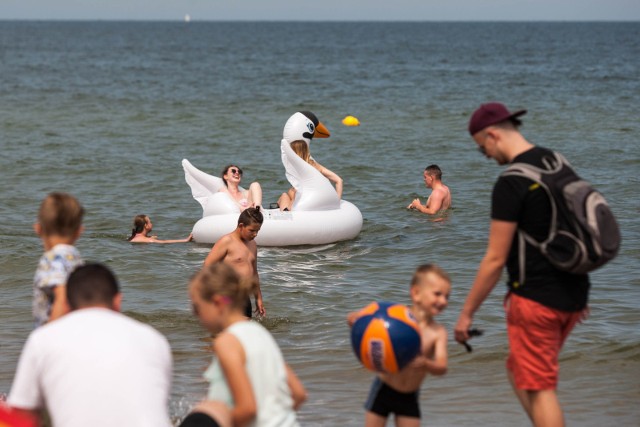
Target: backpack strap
pixel 535 174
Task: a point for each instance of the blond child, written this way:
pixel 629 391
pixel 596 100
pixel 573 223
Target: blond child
pixel 397 393
pixel 59 226
pixel 248 372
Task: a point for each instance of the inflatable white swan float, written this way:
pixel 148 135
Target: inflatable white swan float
pixel 318 216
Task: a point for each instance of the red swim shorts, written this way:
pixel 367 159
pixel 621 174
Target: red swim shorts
pixel 536 334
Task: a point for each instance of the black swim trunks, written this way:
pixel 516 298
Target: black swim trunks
pixel 198 419
pixel 248 309
pixel 383 400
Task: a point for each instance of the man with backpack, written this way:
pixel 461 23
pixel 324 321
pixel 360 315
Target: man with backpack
pixel 544 302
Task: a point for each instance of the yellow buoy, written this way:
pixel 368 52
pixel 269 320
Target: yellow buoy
pixel 350 121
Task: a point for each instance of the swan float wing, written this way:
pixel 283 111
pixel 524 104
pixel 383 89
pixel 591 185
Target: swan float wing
pixel 202 184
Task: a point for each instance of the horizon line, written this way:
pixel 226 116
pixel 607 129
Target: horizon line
pixel 192 20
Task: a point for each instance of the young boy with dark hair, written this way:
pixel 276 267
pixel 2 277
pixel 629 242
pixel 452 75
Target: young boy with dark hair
pixel 239 250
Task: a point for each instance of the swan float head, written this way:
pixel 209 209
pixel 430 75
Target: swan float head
pixel 304 125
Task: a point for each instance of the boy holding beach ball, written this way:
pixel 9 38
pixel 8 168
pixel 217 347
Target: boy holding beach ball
pixel 396 386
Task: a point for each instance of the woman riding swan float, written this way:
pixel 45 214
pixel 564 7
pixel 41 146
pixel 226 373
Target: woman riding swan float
pixel 317 215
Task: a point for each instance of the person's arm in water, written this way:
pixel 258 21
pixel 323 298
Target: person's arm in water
pixel 257 293
pixel 500 237
pixel 185 240
pixel 154 239
pixel 298 392
pixel 433 205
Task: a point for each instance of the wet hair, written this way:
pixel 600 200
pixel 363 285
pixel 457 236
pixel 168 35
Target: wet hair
pixel 221 279
pixel 138 225
pixel 91 284
pixel 226 169
pixel 301 148
pixel 60 214
pixel 251 216
pixel 425 269
pixel 434 170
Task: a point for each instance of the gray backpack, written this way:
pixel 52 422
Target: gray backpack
pixel 584 233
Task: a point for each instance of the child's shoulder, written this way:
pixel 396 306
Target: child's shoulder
pixel 433 327
pixel 226 240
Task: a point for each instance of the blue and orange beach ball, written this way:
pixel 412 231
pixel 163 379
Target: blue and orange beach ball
pixel 385 337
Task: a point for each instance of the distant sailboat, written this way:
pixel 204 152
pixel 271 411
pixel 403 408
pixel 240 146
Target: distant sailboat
pixel 187 18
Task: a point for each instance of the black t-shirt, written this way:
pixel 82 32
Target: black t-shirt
pixel 518 199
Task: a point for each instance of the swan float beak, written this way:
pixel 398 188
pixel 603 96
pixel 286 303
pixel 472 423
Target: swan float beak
pixel 321 131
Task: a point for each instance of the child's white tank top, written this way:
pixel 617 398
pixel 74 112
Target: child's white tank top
pixel 267 373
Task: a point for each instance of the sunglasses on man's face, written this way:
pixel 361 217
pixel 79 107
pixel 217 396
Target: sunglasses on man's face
pixel 234 171
pixel 481 148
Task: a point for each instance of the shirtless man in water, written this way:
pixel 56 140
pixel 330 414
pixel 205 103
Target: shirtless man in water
pixel 239 250
pixel 440 198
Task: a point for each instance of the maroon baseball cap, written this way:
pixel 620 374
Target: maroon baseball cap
pixel 490 114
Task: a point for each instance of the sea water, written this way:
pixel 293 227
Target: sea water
pixel 107 110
